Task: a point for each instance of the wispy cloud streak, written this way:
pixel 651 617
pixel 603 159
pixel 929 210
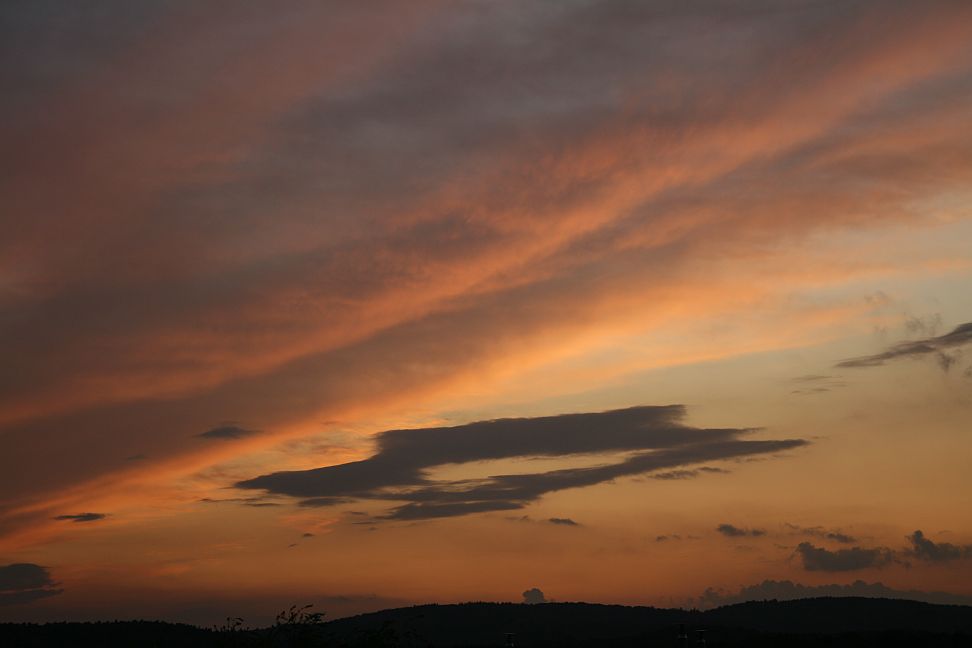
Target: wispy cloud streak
pixel 960 336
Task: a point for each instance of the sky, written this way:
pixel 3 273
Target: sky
pixel 375 304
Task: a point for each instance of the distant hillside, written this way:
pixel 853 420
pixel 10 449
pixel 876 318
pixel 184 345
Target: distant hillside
pixel 835 615
pixel 831 622
pixel 586 624
pixel 145 634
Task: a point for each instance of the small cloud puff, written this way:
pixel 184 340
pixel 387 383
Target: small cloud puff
pixel 533 596
pixel 226 432
pixel 82 517
pixel 731 531
pixel 562 521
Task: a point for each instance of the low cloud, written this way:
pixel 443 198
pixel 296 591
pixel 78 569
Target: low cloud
pixel 562 522
pixel 22 583
pixel 787 591
pixel 731 531
pixel 924 549
pixel 82 517
pixel 938 347
pixel 821 532
pixel 256 502
pixel 533 596
pixel 654 438
pixel 430 511
pixel 820 559
pixel 226 432
pixel 557 521
pixel 320 502
pixel 689 474
pixel 676 537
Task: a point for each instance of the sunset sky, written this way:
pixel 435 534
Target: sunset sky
pixel 369 304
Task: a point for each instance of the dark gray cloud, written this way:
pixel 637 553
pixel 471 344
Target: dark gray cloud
pixel 24 576
pixel 82 517
pixel 533 596
pixel 399 471
pixel 673 536
pixel 937 347
pixel 821 532
pixel 787 590
pixel 820 559
pixel 688 474
pixel 557 521
pixel 924 549
pixel 670 475
pixel 327 501
pixel 25 582
pixel 434 510
pixel 226 432
pixel 731 531
pixel 256 502
pixel 563 521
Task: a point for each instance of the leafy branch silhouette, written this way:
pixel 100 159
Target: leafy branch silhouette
pixel 297 626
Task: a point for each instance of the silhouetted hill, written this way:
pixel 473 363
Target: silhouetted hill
pixel 832 622
pixel 835 615
pixel 586 624
pixel 150 634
